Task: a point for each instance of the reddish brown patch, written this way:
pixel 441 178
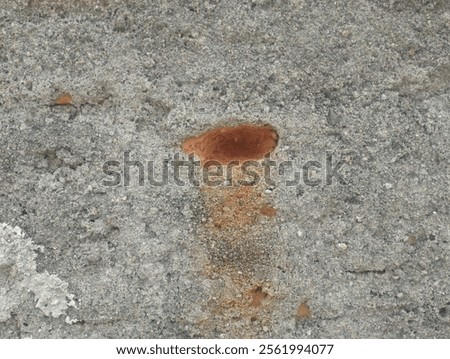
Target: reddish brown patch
pixel 64 99
pixel 237 243
pixel 233 207
pixel 268 211
pixel 303 311
pixel 257 296
pixel 236 206
pixel 239 143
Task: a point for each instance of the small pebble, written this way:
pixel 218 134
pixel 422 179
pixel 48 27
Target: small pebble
pixel 400 295
pixel 265 329
pixel 299 233
pixel 346 33
pixel 388 185
pixel 70 321
pixel 342 246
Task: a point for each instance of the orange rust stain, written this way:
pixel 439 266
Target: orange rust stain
pixel 238 205
pixel 235 207
pixel 238 143
pixel 268 211
pixel 64 99
pixel 232 234
pixel 253 298
pixel 257 296
pixel 303 311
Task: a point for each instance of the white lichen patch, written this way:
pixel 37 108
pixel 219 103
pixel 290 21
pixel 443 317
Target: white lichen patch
pixel 18 277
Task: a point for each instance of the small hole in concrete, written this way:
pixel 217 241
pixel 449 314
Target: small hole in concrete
pixel 443 312
pixel 238 143
pixel 303 311
pixel 257 296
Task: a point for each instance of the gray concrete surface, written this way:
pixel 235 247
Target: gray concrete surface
pixel 367 80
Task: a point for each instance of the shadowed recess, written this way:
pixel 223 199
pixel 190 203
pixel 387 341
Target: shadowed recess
pixel 303 311
pixel 257 296
pixel 238 143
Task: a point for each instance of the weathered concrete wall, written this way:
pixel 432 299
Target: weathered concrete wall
pixel 82 82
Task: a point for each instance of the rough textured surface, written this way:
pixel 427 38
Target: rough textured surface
pixel 84 81
pixel 19 278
